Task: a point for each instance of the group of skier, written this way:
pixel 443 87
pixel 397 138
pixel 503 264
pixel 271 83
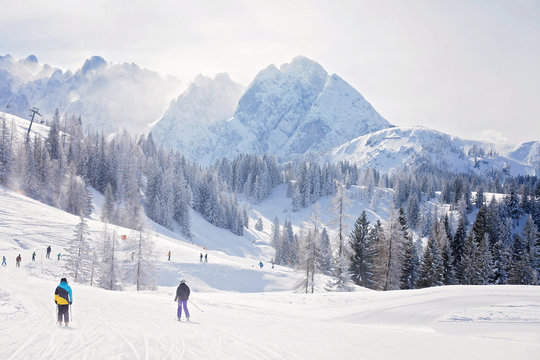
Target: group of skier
pixel 18 259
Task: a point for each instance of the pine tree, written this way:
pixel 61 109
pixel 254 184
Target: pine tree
pixel 362 260
pixel 378 239
pixel 78 259
pixel 409 271
pixel 53 138
pixel 502 256
pixel 470 272
pixel 480 198
pixel 144 268
pixel 485 262
pixel 275 233
pixel 110 273
pixel 108 210
pixel 259 225
pixel 480 226
pixel 340 267
pixel 7 157
pixel 325 262
pixel 181 203
pixel 413 211
pixel 309 256
pixel 431 267
pixel 411 265
pixel 521 271
pixel 393 262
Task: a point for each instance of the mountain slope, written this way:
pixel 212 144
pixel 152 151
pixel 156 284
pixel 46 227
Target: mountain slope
pixel 190 122
pixel 388 149
pixel 292 110
pixel 107 96
pixel 496 321
pixel 297 109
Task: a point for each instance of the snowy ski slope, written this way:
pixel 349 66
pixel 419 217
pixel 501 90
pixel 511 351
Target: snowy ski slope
pixel 249 313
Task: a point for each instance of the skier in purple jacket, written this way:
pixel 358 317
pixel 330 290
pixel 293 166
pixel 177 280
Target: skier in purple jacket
pixel 182 296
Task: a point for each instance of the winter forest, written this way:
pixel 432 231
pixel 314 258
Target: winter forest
pixel 444 228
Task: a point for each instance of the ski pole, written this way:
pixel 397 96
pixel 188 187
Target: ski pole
pixel 70 314
pixel 195 306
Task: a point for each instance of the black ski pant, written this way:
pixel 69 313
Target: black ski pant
pixel 63 310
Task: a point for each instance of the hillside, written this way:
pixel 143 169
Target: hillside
pixel 245 312
pixel 388 149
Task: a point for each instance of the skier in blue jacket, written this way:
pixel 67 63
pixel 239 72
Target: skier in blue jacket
pixel 63 297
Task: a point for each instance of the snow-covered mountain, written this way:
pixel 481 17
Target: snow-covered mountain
pixel 296 109
pixel 388 149
pixel 528 153
pixel 299 108
pixel 107 96
pixel 190 122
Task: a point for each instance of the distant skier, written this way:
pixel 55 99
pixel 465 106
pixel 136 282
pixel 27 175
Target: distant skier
pixel 18 261
pixel 205 258
pixel 273 263
pixel 261 264
pixel 63 297
pixel 4 263
pixel 58 256
pixel 182 296
pixel 200 257
pixel 48 256
pixel 34 256
pixel 169 254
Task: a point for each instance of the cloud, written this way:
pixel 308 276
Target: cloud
pixel 494 136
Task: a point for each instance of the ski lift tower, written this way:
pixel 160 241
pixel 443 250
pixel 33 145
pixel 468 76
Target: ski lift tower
pixel 33 112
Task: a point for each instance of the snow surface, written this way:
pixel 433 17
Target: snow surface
pixel 246 312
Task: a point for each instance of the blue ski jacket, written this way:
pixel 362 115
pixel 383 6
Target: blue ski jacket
pixel 62 294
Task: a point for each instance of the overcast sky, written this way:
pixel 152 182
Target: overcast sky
pixel 469 68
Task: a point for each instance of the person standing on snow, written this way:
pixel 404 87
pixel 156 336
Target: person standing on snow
pixel 58 256
pixel 200 257
pixel 182 296
pixel 48 256
pixel 169 254
pixel 18 261
pixel 4 263
pixel 34 256
pixel 63 298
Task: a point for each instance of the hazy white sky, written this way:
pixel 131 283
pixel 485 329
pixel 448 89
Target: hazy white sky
pixel 469 68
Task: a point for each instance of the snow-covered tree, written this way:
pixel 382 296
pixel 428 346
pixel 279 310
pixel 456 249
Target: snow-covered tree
pixel 431 267
pixel 110 272
pixel 275 233
pixel 259 225
pixel 78 258
pixel 362 260
pixel 309 259
pixel 325 262
pixel 339 209
pixel 393 254
pixel 7 157
pixel 144 268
